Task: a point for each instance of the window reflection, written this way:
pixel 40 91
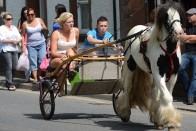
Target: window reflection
pixel 2 8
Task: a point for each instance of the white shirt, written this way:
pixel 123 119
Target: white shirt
pixel 5 33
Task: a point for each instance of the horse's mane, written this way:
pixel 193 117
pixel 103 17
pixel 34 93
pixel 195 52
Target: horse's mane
pixel 162 17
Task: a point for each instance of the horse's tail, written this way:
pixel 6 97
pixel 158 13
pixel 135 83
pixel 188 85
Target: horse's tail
pixel 140 93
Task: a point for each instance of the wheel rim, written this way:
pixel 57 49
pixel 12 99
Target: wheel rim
pixel 47 104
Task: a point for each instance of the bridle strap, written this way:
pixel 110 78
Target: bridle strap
pixel 169 28
pixel 173 23
pixel 171 60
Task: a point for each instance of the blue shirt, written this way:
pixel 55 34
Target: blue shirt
pixel 94 33
pixel 56 26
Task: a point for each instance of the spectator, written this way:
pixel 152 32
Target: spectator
pixel 152 17
pixel 23 18
pixel 189 57
pixel 64 43
pixel 59 9
pixel 9 38
pixel 34 28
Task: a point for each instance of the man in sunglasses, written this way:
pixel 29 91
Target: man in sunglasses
pixel 189 56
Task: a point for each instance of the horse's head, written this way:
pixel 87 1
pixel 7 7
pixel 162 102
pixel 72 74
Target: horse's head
pixel 172 17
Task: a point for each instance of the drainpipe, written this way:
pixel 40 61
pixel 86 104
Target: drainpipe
pixel 114 19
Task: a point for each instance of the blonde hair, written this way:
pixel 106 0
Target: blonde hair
pixel 4 14
pixel 63 17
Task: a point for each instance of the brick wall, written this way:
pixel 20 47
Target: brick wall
pixel 132 13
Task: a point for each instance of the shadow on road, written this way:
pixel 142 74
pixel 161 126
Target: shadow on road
pixel 115 124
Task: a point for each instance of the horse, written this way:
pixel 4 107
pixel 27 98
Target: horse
pixel 150 69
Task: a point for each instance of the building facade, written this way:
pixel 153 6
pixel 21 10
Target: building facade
pixel 121 14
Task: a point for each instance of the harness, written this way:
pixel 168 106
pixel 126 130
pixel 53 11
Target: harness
pixel 171 60
pixel 143 47
pixel 169 28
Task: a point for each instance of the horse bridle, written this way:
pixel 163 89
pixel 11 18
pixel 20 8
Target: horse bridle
pixel 169 28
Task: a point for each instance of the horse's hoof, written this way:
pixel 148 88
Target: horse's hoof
pixel 125 119
pixel 159 127
pixel 173 129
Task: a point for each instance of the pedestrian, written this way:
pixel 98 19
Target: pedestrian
pixel 152 18
pixel 9 38
pixel 35 29
pixel 23 18
pixel 189 57
pixel 59 9
pixel 64 43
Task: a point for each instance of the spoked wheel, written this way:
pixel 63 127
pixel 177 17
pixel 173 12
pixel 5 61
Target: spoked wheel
pixel 47 104
pixel 114 97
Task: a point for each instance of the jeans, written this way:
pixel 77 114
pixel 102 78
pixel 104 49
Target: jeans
pixel 27 74
pixel 11 61
pixel 36 54
pixel 189 84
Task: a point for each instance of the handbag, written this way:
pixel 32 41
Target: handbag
pixel 23 62
pixel 45 61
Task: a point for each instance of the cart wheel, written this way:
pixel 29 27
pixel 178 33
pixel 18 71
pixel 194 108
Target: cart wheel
pixel 47 104
pixel 114 96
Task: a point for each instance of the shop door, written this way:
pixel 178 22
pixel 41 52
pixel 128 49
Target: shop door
pixel 35 5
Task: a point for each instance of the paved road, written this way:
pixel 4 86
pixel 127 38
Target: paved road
pixel 19 111
pixel 178 102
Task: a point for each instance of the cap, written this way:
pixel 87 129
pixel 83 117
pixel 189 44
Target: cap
pixel 191 11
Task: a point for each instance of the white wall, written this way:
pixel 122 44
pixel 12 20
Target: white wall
pixel 14 7
pixel 51 14
pixel 102 8
pixel 118 18
pixel 99 8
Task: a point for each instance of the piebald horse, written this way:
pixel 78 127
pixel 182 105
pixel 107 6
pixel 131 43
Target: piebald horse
pixel 152 60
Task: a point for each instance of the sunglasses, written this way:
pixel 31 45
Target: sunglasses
pixel 8 19
pixel 30 14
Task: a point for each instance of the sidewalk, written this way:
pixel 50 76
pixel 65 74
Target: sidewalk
pixel 178 102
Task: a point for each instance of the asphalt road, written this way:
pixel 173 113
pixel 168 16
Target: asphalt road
pixel 19 111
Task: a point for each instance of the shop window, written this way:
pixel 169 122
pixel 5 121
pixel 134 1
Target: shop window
pixel 2 8
pixel 83 16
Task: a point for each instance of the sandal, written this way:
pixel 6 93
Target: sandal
pixel 35 82
pixel 61 94
pixel 11 88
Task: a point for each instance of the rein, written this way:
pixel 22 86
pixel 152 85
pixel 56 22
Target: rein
pixel 136 34
pixel 171 60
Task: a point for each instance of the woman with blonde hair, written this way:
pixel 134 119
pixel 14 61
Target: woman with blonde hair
pixel 9 39
pixel 64 43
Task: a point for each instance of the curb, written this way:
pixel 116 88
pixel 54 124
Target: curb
pixel 19 83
